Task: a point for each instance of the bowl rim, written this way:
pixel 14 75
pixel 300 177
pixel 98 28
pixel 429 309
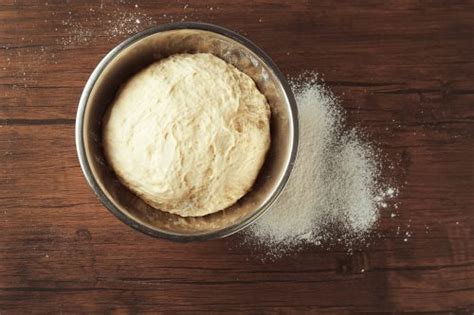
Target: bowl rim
pixel 84 163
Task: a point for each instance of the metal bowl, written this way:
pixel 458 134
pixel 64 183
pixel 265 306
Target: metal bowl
pixel 140 51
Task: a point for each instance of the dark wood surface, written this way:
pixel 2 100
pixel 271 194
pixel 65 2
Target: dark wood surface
pixel 405 73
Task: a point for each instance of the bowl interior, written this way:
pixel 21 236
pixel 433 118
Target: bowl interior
pixel 128 60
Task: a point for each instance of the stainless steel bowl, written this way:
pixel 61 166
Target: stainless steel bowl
pixel 143 49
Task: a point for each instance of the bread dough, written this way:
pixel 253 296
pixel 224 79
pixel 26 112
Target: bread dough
pixel 188 134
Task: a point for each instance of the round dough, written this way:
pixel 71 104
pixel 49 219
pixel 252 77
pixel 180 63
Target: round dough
pixel 188 134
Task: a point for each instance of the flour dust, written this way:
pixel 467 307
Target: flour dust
pixel 335 191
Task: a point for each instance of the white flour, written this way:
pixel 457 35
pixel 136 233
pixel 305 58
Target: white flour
pixel 334 190
pixel 104 23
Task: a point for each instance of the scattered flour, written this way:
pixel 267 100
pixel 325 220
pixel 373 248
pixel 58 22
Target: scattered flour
pixel 107 22
pixel 104 23
pixel 334 191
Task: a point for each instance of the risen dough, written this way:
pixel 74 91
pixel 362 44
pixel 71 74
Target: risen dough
pixel 188 134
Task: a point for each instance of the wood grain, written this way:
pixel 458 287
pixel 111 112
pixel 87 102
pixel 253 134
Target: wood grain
pixel 404 70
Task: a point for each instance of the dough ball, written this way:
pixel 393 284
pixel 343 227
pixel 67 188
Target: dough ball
pixel 188 134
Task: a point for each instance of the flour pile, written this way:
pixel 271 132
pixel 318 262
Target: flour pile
pixel 334 191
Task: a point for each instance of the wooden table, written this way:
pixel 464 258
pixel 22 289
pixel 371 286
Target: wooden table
pixel 404 71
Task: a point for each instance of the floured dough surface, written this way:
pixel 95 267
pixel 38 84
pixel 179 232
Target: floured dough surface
pixel 188 134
